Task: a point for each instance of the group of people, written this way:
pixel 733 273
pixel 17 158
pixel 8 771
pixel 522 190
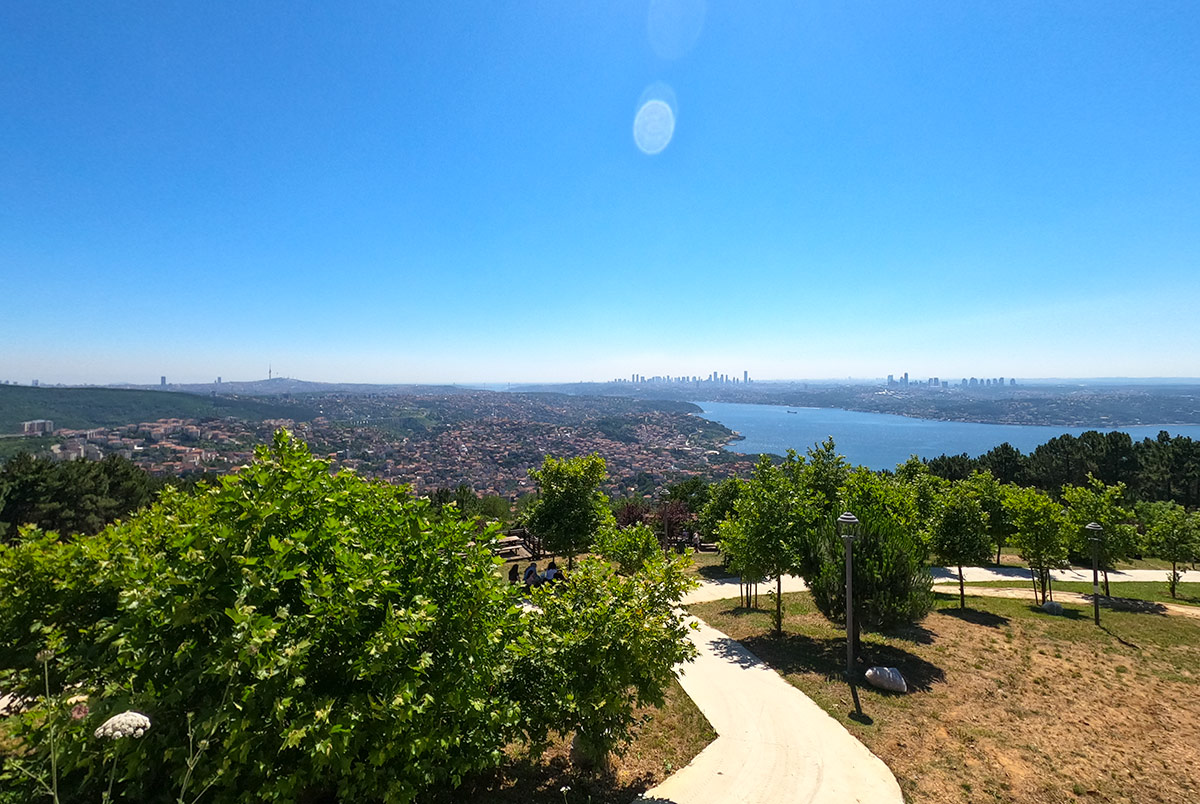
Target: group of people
pixel 534 578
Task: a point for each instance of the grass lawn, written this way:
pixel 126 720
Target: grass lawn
pixel 708 565
pixel 1188 593
pixel 666 742
pixel 1008 704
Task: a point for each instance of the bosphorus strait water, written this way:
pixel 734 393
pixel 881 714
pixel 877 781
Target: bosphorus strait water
pixel 881 440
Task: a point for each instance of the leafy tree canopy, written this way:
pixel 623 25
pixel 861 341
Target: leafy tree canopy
pixel 71 497
pixel 571 509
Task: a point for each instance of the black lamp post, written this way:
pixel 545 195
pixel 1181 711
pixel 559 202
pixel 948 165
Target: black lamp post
pixel 1095 532
pixel 847 525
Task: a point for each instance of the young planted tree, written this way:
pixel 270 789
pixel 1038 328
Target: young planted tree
pixel 571 509
pixel 1041 535
pixel 822 472
pixel 1104 505
pixel 959 533
pixel 1174 536
pixel 989 492
pixel 764 539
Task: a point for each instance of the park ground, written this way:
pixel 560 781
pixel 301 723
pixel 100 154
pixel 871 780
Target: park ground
pixel 668 739
pixel 1008 704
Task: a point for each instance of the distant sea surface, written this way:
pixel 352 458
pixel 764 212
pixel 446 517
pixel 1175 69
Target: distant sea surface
pixel 882 440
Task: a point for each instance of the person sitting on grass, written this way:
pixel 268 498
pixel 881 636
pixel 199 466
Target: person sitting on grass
pixel 553 573
pixel 532 578
pixel 514 573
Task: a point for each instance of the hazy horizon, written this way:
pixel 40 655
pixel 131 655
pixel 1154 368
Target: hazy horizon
pixel 487 384
pixel 562 192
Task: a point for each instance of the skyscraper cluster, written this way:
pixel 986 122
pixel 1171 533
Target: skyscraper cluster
pixel 716 378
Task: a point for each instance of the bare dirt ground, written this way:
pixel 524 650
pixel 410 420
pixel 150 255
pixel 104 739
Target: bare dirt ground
pixel 1009 704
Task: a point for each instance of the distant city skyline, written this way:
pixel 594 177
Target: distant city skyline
pixel 548 192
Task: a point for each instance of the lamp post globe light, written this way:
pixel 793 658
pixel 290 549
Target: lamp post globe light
pixel 847 525
pixel 1095 533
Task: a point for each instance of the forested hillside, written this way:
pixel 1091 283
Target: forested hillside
pixel 78 408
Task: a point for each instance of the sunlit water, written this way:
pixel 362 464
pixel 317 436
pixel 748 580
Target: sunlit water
pixel 880 440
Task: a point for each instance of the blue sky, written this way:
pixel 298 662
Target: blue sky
pixel 452 192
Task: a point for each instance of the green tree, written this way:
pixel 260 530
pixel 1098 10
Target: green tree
pixel 300 631
pixel 926 490
pixel 823 473
pixel 71 497
pixel 1005 462
pixel 1041 534
pixel 571 509
pixel 722 498
pixel 765 538
pixel 1104 505
pixel 466 500
pixel 990 493
pixel 1174 536
pixel 693 493
pixel 892 583
pixel 959 533
pixel 495 508
pixel 629 548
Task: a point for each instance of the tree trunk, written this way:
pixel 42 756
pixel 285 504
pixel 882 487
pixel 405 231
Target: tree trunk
pixel 778 605
pixel 1033 579
pixel 1049 584
pixel 999 547
pixel 1107 593
pixel 1174 579
pixel 962 592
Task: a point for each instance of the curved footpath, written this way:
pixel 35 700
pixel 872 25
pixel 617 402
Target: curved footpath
pixel 773 744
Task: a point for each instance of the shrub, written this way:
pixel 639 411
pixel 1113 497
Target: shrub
pixel 597 647
pixel 629 548
pixel 892 583
pixel 304 634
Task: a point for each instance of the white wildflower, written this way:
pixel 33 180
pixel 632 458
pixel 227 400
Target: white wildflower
pixel 126 724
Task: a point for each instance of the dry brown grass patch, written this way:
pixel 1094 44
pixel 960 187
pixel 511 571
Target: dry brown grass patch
pixel 1017 706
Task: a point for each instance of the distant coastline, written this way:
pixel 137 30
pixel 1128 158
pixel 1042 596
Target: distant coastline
pixel 883 440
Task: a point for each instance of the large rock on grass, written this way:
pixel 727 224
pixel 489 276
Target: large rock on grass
pixel 1052 607
pixel 886 678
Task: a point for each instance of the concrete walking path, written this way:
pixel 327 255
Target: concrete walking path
pixel 1081 574
pixel 773 744
pixel 722 588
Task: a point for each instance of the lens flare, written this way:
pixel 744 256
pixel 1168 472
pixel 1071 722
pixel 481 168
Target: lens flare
pixel 653 127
